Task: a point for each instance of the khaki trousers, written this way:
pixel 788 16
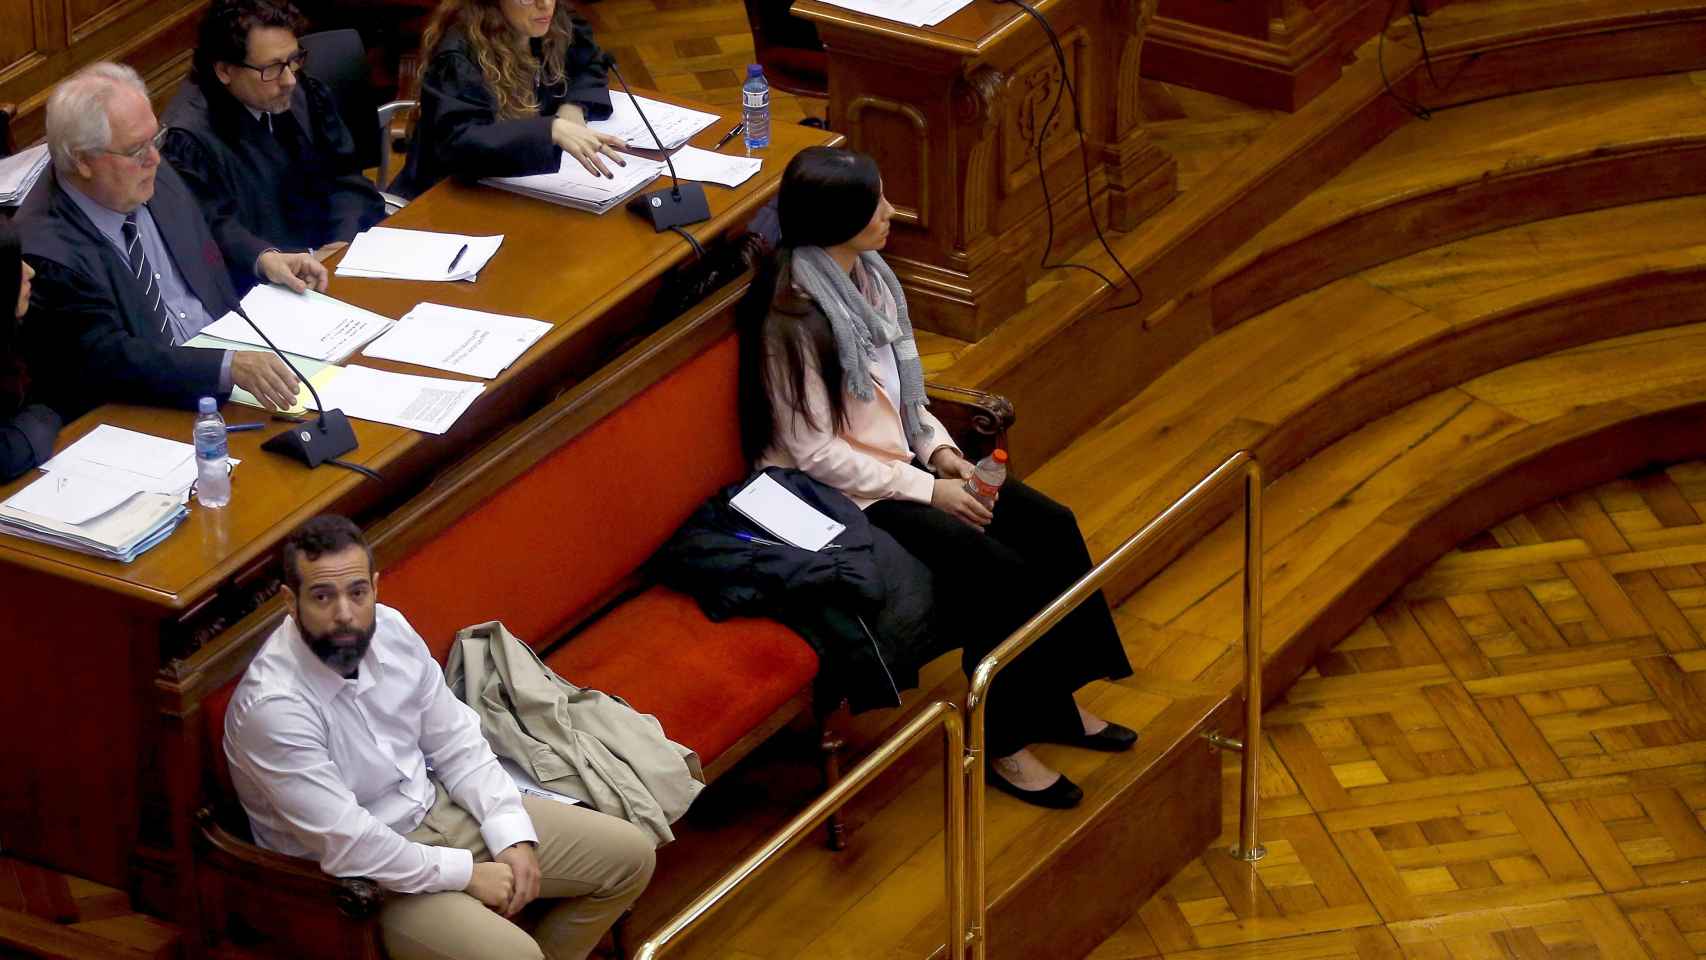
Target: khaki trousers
pixel 592 864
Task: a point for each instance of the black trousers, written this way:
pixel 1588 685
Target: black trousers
pixel 988 583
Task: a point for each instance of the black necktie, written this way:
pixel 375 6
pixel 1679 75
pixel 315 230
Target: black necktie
pixel 144 273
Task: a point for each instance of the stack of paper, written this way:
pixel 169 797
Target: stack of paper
pixel 916 13
pixel 114 493
pixel 393 253
pixel 125 458
pixel 471 342
pixel 573 186
pixel 120 532
pixel 306 324
pixel 19 172
pixel 674 125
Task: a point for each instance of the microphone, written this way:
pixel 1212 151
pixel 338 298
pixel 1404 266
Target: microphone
pixel 681 204
pixel 328 437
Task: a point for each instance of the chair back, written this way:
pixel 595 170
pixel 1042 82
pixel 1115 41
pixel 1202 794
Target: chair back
pixel 338 59
pixel 788 48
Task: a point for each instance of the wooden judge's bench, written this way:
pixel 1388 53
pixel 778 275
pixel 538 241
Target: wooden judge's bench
pixel 953 114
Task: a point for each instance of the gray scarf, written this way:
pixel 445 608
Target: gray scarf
pixel 860 328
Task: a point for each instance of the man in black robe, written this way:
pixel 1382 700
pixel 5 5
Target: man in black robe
pixel 262 143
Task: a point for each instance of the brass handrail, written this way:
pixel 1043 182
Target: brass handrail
pixel 1244 464
pixel 941 713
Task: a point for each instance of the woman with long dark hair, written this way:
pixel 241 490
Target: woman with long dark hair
pixel 26 429
pixel 507 87
pixel 831 384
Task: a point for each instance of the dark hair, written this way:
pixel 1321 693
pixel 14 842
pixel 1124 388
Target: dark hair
pixel 224 33
pixel 828 196
pixel 327 533
pixel 12 379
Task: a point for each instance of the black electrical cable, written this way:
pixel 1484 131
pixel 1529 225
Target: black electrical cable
pixel 1414 108
pixel 692 241
pixel 1067 88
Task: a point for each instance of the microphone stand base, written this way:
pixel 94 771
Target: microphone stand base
pixel 313 442
pixel 675 206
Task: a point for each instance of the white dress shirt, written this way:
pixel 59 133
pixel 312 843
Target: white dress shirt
pixel 336 770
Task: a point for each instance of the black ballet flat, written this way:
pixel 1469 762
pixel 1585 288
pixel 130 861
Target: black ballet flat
pixel 1114 738
pixel 1062 794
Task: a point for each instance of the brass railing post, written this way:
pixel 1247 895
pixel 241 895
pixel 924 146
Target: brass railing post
pixel 1248 848
pixel 1241 464
pixel 939 714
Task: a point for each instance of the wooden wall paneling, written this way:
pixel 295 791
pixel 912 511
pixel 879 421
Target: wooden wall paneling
pixel 1279 54
pixel 47 40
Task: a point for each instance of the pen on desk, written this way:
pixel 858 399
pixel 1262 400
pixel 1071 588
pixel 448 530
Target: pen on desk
pixel 730 135
pixel 456 259
pixel 241 427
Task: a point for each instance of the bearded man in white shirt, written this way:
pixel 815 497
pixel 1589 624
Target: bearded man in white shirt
pixel 347 748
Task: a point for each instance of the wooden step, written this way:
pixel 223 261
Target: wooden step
pixel 1472 169
pixel 1067 361
pixel 1367 352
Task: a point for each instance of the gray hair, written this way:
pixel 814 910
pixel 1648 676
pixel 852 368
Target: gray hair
pixel 77 110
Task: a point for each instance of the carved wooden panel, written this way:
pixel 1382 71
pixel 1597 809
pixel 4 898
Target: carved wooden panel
pixel 1029 97
pixel 21 36
pixel 905 180
pixel 43 41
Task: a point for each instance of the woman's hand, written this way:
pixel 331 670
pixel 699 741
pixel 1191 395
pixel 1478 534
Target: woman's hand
pixel 590 148
pixel 948 463
pixel 950 496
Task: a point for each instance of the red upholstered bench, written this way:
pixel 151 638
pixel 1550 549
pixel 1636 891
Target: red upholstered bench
pixel 546 529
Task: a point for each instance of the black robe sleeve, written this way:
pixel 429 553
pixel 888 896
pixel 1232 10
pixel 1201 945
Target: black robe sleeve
pixel 26 439
pixel 459 133
pixel 86 354
pixel 216 198
pixel 588 79
pixel 352 203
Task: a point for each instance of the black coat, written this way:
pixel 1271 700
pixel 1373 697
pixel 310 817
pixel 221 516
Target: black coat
pixel 296 187
pixel 459 133
pixel 95 343
pixel 863 603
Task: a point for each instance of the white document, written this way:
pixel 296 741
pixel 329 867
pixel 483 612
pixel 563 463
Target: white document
pixel 19 172
pixel 140 461
pixel 427 404
pixel 139 453
pixel 68 498
pixel 573 186
pixel 674 125
pixel 390 252
pixel 784 515
pixel 692 163
pixel 916 13
pixel 529 787
pixel 472 342
pixel 307 324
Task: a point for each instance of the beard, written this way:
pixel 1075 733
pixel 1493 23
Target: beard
pixel 340 648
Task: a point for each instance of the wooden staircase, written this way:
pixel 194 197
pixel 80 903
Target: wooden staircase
pixel 1437 329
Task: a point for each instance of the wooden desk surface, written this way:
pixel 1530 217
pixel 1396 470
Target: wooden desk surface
pixel 967 33
pixel 563 266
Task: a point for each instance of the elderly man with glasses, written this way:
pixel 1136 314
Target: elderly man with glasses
pixel 260 142
pixel 128 269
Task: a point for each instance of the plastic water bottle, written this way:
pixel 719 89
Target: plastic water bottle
pixel 987 478
pixel 212 453
pixel 755 107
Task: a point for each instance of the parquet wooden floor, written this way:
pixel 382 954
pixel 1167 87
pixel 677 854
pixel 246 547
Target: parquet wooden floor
pixel 1508 760
pixel 68 916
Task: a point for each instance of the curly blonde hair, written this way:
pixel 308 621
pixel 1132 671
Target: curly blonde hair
pixel 506 60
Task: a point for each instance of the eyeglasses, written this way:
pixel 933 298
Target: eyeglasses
pixel 140 151
pixel 273 71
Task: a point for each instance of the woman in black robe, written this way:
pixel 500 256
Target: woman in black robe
pixel 507 88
